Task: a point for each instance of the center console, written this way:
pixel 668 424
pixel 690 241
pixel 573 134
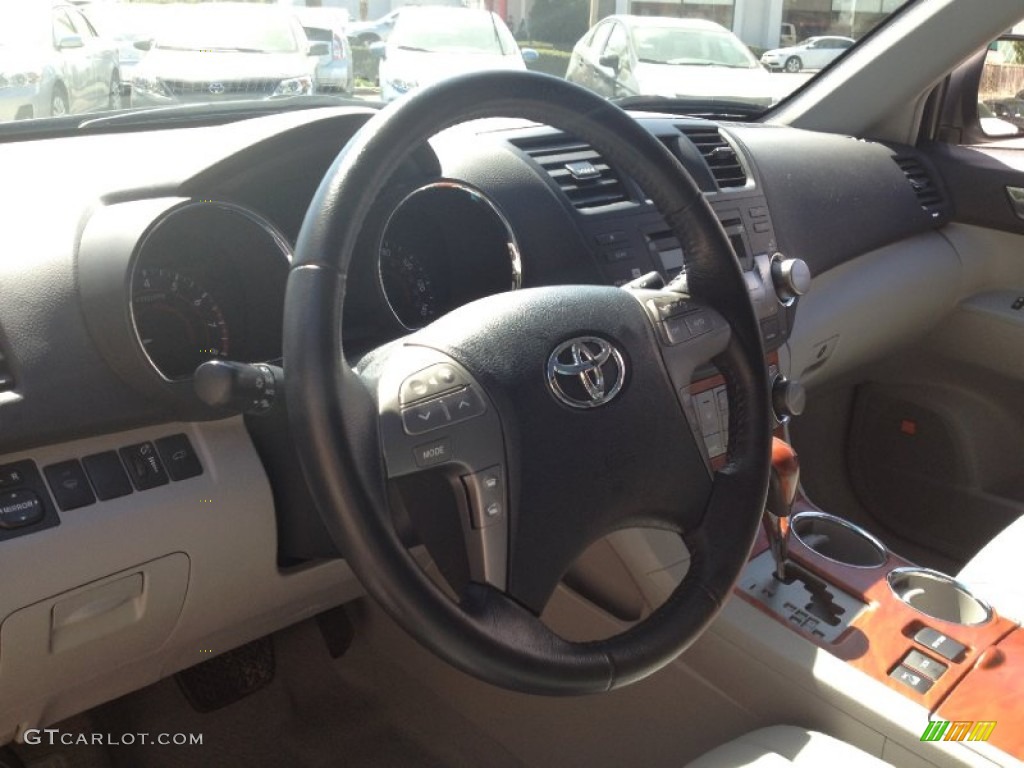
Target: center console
pixel 918 631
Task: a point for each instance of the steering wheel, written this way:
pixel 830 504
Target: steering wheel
pixel 558 415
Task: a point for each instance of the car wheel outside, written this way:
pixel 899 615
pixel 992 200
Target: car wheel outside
pixel 793 64
pixel 58 101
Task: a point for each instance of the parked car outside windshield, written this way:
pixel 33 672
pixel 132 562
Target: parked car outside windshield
pixel 334 72
pixel 125 24
pixel 812 53
pixel 53 63
pixel 430 44
pixel 664 56
pixel 226 51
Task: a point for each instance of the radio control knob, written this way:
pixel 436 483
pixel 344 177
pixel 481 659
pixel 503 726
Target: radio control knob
pixel 788 398
pixel 791 277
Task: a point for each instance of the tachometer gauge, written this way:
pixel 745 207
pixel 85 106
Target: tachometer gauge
pixel 178 322
pixel 408 285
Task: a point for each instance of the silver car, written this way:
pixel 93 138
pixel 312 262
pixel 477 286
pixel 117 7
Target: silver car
pixel 812 53
pixel 335 72
pixel 226 52
pixel 53 63
pixel 125 24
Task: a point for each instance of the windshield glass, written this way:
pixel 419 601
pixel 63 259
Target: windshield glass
pixel 201 28
pixel 23 29
pixel 449 32
pixel 672 45
pixel 725 58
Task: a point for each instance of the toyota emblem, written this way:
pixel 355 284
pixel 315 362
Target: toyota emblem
pixel 216 88
pixel 585 372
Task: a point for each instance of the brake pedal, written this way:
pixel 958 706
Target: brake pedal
pixel 227 678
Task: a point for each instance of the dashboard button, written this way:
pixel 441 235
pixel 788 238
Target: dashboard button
pixel 417 419
pixel 463 405
pixel 699 323
pixel 20 508
pixel 69 485
pixel 437 452
pixel 611 238
pixel 911 679
pixel 676 330
pixel 107 475
pixel 179 457
pixel 486 495
pixel 707 413
pixel 15 474
pixel 144 466
pixel 925 665
pixel 946 647
pixel 617 254
pixel 435 380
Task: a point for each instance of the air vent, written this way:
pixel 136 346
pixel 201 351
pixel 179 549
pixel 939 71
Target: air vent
pixel 718 154
pixel 579 171
pixel 928 194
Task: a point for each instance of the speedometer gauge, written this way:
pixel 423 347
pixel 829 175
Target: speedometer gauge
pixel 408 284
pixel 444 244
pixel 179 322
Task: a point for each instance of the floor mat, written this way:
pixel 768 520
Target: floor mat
pixel 355 711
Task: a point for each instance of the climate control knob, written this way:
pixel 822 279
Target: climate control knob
pixel 791 277
pixel 788 398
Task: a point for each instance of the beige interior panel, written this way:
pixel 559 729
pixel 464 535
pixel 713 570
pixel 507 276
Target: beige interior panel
pixel 216 533
pixel 871 306
pixel 60 641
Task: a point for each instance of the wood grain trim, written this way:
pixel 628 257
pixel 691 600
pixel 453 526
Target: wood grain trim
pixel 882 635
pixel 994 690
pixel 703 385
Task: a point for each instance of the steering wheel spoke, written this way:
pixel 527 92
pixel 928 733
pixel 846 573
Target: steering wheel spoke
pixel 435 417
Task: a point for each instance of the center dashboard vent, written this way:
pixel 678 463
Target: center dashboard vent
pixel 719 155
pixel 578 170
pixel 928 193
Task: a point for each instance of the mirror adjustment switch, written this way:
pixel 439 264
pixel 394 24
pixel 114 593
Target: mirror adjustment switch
pixel 925 665
pixel 69 485
pixel 144 467
pixel 911 679
pixel 946 647
pixel 20 508
pixel 107 475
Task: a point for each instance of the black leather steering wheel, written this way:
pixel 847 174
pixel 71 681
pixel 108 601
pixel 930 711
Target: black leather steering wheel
pixel 557 414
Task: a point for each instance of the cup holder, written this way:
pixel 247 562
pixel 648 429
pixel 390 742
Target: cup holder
pixel 838 540
pixel 939 596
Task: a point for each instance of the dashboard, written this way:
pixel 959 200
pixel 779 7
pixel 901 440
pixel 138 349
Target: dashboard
pixel 133 275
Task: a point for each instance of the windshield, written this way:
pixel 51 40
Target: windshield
pixel 713 58
pixel 18 28
pixel 672 45
pixel 471 32
pixel 202 28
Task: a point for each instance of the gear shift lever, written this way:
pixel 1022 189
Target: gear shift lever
pixel 781 491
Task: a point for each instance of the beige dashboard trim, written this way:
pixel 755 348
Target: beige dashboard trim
pixel 222 522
